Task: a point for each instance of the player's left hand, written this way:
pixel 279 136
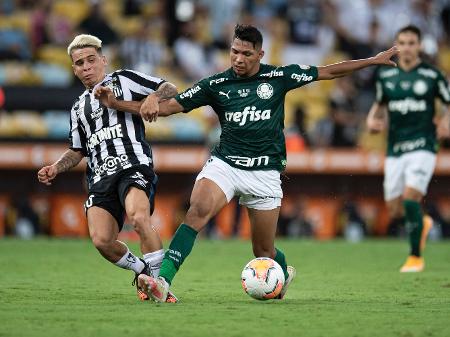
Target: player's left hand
pixel 150 108
pixel 443 128
pixel 105 96
pixel 384 58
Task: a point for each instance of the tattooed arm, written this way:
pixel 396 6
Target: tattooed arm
pixel 150 108
pixel 69 159
pixel 145 108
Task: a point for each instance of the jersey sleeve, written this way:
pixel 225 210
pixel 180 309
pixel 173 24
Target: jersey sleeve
pixel 196 96
pixel 138 82
pixel 379 91
pixel 298 75
pixel 443 89
pixel 77 136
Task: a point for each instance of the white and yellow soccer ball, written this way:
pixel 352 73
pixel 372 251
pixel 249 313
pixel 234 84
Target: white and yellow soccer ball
pixel 262 278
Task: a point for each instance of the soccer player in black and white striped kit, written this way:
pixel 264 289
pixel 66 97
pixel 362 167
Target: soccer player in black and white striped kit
pixel 119 169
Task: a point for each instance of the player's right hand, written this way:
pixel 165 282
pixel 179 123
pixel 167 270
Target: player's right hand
pixel 150 108
pixel 47 174
pixel 375 125
pixel 105 96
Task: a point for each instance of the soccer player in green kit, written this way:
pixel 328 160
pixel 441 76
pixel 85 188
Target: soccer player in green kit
pixel 249 101
pixel 409 92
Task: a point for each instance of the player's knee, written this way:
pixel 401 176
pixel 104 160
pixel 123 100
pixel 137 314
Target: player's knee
pixel 139 220
pixel 101 243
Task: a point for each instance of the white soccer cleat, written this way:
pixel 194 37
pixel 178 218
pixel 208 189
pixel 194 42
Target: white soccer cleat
pixel 156 288
pixel 292 272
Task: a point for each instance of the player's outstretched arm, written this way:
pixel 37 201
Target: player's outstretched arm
pixel 107 98
pixel 69 159
pixel 377 118
pixel 151 107
pixel 343 68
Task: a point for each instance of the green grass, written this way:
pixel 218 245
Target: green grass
pixel 64 288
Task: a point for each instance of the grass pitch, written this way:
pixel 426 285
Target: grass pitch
pixel 52 287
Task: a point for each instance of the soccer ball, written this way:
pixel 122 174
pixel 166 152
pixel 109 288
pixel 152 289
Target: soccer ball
pixel 262 278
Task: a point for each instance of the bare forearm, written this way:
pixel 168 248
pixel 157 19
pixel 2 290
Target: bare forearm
pixel 169 107
pixel 127 106
pixel 377 111
pixel 68 160
pixel 343 68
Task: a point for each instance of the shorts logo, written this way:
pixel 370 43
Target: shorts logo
pixel 111 164
pixel 249 162
pixel 140 179
pixel 264 91
pixel 89 202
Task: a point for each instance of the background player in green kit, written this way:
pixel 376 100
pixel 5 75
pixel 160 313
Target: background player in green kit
pixel 249 101
pixel 409 92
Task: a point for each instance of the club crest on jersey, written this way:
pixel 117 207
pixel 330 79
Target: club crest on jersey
pixel 420 87
pixel 114 85
pixel 264 91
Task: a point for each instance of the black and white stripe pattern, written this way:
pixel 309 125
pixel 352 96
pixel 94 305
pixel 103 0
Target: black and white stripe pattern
pixel 112 140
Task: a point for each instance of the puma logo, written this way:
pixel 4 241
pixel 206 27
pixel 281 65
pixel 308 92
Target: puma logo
pixel 225 94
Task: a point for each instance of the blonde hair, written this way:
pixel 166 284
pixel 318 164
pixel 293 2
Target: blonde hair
pixel 84 41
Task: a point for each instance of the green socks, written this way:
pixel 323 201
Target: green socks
pixel 181 245
pixel 179 248
pixel 281 260
pixel 414 224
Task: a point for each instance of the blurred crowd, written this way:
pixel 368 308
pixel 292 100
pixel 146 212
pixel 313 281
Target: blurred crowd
pixel 185 40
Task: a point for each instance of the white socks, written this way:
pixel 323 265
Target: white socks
pixel 154 260
pixel 130 261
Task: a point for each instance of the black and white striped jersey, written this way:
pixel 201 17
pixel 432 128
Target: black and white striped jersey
pixel 112 140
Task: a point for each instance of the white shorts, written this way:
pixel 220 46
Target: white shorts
pixel 413 169
pixel 257 189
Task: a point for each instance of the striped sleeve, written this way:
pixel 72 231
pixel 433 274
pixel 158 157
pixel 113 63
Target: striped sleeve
pixel 77 137
pixel 138 82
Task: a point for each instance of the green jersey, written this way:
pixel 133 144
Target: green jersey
pixel 250 111
pixel 410 100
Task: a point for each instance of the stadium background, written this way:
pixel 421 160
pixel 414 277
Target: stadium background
pixel 333 183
